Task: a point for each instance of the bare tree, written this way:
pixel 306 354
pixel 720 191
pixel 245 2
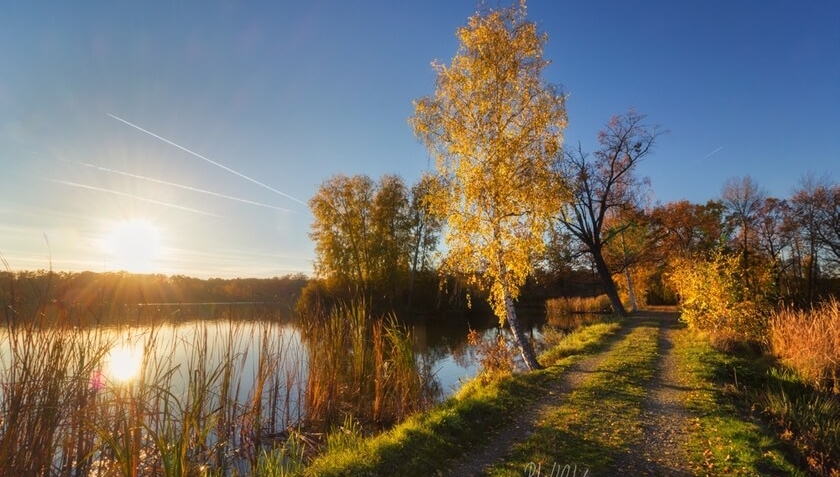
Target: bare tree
pixel 827 199
pixel 815 218
pixel 771 237
pixel 743 198
pixel 603 186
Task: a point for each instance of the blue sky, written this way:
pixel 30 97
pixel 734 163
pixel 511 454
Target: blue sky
pixel 209 125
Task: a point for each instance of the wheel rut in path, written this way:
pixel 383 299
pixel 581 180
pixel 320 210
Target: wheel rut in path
pixel 476 462
pixel 664 418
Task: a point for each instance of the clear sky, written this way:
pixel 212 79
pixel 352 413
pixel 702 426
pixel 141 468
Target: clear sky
pixel 187 137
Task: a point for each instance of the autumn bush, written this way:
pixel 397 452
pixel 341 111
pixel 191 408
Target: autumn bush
pixel 714 299
pixel 808 341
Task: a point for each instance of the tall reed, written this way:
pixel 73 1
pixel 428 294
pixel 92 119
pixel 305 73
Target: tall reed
pixel 562 306
pixel 809 342
pixel 361 366
pixel 45 399
pixel 191 408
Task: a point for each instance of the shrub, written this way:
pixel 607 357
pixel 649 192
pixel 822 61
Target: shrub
pixel 713 299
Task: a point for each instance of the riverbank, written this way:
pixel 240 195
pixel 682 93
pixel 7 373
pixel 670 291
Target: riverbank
pixel 635 398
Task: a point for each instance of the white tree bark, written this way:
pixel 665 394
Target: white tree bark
pixel 525 348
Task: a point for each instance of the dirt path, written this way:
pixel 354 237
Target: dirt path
pixel 665 421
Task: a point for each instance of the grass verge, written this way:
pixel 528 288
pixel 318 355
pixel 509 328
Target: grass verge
pixel 721 441
pixel 422 444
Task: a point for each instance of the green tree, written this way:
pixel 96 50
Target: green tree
pixel 342 229
pixel 629 253
pixel 361 233
pixel 392 233
pixel 426 228
pixel 367 233
pixel 495 128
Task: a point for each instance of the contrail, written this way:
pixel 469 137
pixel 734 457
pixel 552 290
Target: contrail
pixel 181 186
pixel 135 197
pixel 710 154
pixel 272 189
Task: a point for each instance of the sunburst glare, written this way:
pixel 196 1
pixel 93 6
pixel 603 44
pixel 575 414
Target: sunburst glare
pixel 133 246
pixel 124 362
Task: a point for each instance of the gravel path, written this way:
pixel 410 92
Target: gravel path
pixel 665 421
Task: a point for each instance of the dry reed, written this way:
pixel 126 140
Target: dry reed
pixel 361 366
pixel 577 304
pixel 192 406
pixel 809 342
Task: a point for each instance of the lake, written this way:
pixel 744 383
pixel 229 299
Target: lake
pixel 220 379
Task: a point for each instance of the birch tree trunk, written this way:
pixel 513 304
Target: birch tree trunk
pixel 525 348
pixel 630 291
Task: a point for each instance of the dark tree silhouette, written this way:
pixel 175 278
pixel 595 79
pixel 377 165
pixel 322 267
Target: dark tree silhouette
pixel 604 185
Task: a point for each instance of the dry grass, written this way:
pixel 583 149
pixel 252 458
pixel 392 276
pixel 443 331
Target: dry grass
pixel 563 306
pixel 809 343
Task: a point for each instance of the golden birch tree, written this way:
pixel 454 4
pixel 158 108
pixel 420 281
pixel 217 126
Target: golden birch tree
pixel 494 127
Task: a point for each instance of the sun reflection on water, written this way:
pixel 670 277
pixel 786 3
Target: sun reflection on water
pixel 124 362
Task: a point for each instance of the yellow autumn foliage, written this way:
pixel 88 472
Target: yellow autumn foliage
pixel 714 300
pixel 495 128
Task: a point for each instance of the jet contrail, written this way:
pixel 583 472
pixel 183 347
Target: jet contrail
pixel 181 186
pixel 272 189
pixel 135 197
pixel 710 154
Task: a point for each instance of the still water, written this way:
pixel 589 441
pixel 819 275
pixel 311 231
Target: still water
pixel 223 380
pixel 440 346
pixel 166 344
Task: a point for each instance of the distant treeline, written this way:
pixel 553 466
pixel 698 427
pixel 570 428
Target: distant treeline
pixel 105 295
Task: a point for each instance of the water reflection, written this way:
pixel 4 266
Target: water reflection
pixel 223 388
pixel 123 362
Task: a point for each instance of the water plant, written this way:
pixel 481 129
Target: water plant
pixel 188 406
pixel 361 365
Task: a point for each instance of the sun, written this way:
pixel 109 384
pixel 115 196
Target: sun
pixel 133 246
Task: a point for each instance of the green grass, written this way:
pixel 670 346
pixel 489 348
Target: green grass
pixel 722 442
pixel 599 419
pixel 425 442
